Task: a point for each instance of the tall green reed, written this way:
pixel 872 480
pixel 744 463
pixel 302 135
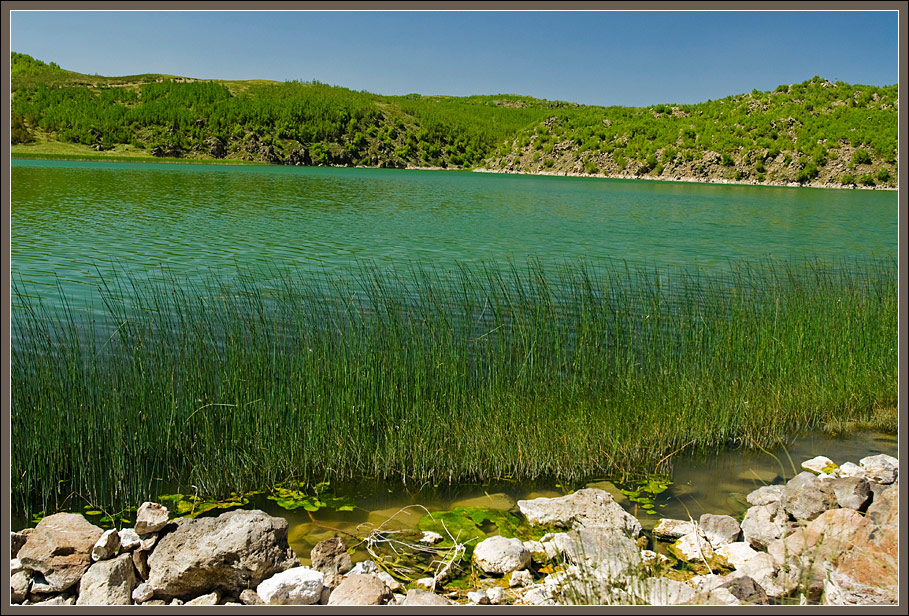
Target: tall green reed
pixel 418 373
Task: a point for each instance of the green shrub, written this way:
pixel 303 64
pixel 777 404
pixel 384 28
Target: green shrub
pixel 883 175
pixel 861 157
pixel 847 179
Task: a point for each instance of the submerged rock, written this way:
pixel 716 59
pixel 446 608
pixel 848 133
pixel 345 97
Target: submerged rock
pixel 585 508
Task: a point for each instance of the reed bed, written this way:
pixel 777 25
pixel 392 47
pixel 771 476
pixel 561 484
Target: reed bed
pixel 417 374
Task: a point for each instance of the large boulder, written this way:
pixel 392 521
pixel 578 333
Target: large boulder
pixel 610 551
pixel 823 539
pixel 238 549
pixel 108 582
pixel 360 590
pixel 500 556
pixel 585 508
pixel 806 496
pixel 297 586
pixel 868 572
pixel 59 551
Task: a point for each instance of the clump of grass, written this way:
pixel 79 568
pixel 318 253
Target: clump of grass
pixel 418 374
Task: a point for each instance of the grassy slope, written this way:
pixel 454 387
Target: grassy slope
pixel 815 133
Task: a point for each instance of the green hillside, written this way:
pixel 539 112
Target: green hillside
pixel 816 132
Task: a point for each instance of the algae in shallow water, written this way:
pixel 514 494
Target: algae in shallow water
pixel 474 524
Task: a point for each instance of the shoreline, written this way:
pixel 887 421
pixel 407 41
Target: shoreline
pixel 683 179
pixel 216 161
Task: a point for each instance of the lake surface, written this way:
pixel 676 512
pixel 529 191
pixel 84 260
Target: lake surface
pixel 75 222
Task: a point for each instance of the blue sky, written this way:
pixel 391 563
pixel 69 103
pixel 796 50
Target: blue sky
pixel 601 58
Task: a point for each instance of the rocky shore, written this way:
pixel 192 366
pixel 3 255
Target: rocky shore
pixel 830 536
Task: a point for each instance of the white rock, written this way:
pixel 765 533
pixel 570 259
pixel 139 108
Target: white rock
pixel 850 469
pixel 150 518
pixel 764 524
pixel 19 584
pixel 519 578
pixel 211 598
pixel 108 582
pixel 106 546
pixel 820 464
pixel 663 591
pixel 719 529
pixel 765 495
pixel 430 537
pixel 129 539
pixel 393 584
pixel 427 582
pixel 738 553
pixel 881 468
pixel 15 566
pixel 496 595
pixel 539 594
pixel 499 555
pixel 762 569
pixel 364 567
pixel 147 541
pixel 649 557
pixel 143 592
pixel 478 597
pixel 718 596
pixel 668 528
pixel 583 509
pixel 692 547
pixel 297 586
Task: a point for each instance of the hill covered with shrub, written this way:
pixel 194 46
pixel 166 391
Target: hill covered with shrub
pixel 817 132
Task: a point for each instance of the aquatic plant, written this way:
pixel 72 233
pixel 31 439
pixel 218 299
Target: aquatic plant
pixel 416 374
